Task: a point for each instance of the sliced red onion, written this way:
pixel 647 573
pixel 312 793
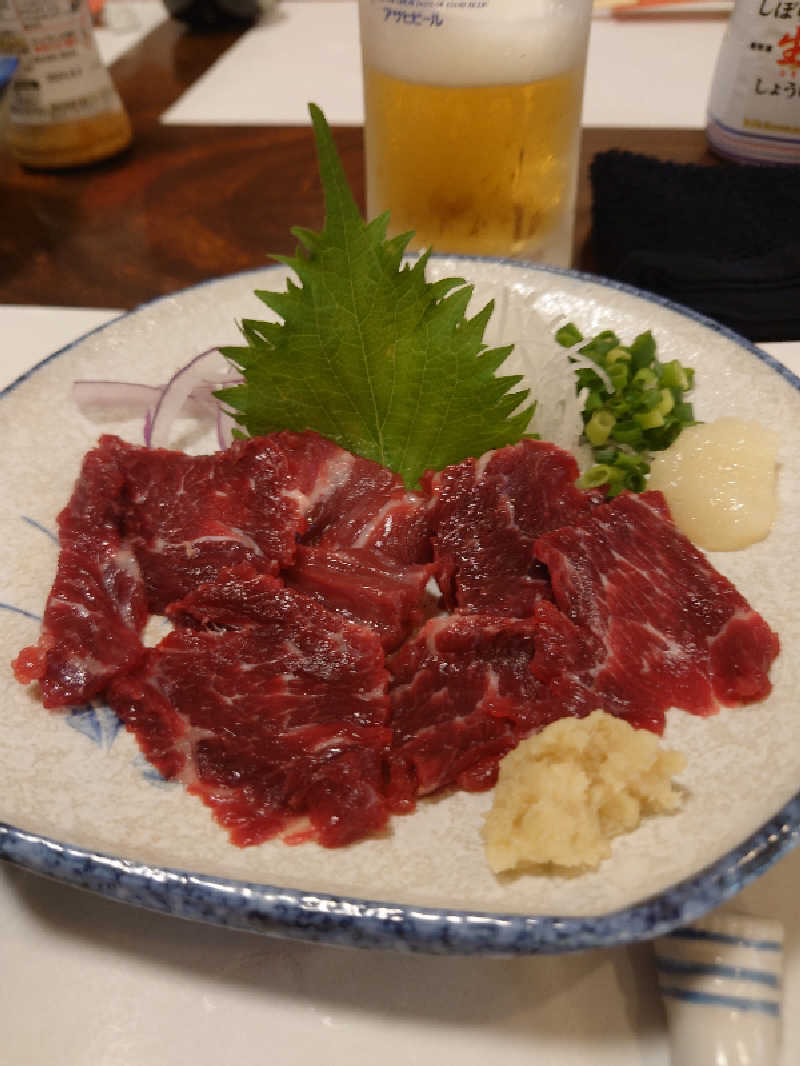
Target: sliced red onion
pixel 225 426
pixel 204 368
pixel 190 392
pixel 112 397
pixel 131 400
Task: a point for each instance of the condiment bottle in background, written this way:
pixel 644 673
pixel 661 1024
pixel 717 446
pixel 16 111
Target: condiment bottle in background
pixel 754 106
pixel 62 107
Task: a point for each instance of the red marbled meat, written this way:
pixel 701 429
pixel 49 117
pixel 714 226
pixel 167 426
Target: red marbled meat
pixel 270 708
pixel 486 515
pixel 462 696
pixel 174 520
pixel 366 586
pixel 189 516
pixel 654 624
pixel 96 609
pixel 356 503
pixel 291 569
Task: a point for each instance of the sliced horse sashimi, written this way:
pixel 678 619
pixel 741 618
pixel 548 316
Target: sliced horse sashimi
pixel 270 708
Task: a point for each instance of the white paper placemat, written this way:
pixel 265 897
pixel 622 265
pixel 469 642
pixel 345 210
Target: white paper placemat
pixel 300 52
pixel 640 74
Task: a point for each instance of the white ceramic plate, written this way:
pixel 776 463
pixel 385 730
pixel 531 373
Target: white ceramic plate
pixel 78 802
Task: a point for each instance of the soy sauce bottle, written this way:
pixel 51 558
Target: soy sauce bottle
pixel 754 106
pixel 62 109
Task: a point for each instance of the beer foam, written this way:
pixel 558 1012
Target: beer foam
pixel 459 43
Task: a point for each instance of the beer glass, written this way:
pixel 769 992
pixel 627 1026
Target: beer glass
pixel 472 122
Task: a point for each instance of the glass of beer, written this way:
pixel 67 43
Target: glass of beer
pixel 472 122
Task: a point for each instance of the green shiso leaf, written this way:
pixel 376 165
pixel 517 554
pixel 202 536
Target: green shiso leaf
pixel 370 354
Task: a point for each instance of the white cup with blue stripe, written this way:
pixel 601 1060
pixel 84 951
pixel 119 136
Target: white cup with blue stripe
pixel 720 980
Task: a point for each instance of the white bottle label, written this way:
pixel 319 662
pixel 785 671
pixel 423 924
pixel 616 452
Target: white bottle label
pixel 61 77
pixel 754 107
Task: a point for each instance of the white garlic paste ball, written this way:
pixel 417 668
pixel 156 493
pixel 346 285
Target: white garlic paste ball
pixel 719 479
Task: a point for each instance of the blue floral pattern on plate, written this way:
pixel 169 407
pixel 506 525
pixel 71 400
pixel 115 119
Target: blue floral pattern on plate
pixel 96 721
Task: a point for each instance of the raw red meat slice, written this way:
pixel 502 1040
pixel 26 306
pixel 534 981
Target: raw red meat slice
pixel 96 609
pixel 365 586
pixel 189 516
pixel 463 695
pixel 568 658
pixel 650 623
pixel 359 504
pixel 486 515
pixel 270 708
pixel 275 708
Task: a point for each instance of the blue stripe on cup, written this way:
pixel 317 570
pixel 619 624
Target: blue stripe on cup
pixel 710 969
pixel 709 999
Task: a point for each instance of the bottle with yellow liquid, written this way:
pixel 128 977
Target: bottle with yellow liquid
pixel 62 107
pixel 472 122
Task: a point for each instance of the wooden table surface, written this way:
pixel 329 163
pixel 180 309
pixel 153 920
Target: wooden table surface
pixel 187 203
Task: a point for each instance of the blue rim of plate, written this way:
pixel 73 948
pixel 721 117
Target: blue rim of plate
pixel 346 921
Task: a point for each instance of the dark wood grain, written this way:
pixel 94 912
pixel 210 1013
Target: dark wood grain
pixel 184 204
pixel 188 203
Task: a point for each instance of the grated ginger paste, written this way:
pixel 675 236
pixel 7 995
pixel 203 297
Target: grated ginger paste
pixel 564 793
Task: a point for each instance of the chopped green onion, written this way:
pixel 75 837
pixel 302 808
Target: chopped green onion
pixel 674 376
pixel 618 375
pixel 598 428
pixel 644 377
pixel 637 409
pixel 643 350
pixel 651 398
pixel 569 335
pixel 616 354
pixel 600 346
pixel 627 434
pixel 596 476
pixel 667 402
pixel 650 419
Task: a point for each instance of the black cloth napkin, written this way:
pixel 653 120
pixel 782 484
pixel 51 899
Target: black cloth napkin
pixel 723 240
